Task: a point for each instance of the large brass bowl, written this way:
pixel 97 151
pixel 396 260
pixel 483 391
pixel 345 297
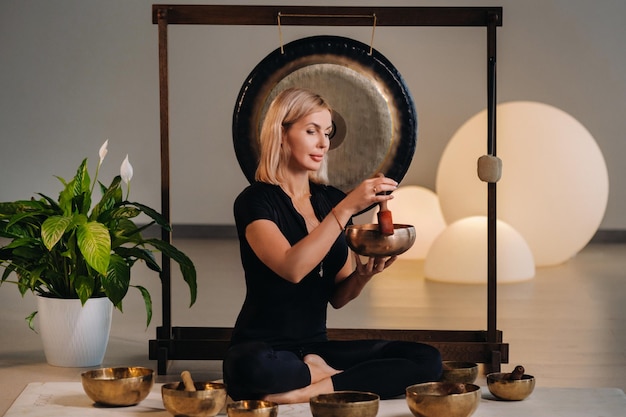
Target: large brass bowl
pixel 121 386
pixel 461 372
pixel 510 390
pixel 366 240
pixel 252 408
pixel 443 399
pixel 206 401
pixel 345 404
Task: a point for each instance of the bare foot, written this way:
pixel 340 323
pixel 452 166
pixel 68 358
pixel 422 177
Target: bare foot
pixel 320 383
pixel 319 368
pixel 302 395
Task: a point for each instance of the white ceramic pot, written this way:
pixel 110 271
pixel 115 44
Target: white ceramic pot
pixel 74 335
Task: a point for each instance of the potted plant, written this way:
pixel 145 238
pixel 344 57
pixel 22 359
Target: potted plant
pixel 71 249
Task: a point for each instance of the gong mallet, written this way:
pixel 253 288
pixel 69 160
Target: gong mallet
pixel 385 221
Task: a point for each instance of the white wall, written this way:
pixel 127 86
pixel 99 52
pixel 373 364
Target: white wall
pixel 76 72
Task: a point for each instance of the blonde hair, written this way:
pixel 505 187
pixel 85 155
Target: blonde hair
pixel 287 108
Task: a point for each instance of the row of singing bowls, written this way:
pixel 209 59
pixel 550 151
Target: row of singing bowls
pixel 124 386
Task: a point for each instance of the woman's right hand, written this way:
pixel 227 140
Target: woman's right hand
pixel 370 191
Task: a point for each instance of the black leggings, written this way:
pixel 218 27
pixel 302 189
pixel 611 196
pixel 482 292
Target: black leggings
pixel 255 369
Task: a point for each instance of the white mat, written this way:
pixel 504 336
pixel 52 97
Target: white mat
pixel 67 399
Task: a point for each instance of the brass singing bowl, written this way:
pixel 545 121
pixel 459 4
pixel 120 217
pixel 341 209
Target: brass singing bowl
pixel 461 372
pixel 206 401
pixel 345 404
pixel 443 399
pixel 252 408
pixel 366 240
pixel 120 386
pixel 510 390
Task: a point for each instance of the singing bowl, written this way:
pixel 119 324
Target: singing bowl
pixel 366 239
pixel 252 408
pixel 120 386
pixel 374 118
pixel 510 390
pixel 443 399
pixel 206 401
pixel 345 404
pixel 460 372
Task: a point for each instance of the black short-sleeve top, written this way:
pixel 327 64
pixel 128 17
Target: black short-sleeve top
pixel 275 310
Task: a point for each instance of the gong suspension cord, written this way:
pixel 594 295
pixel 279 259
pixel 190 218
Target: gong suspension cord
pixel 280 32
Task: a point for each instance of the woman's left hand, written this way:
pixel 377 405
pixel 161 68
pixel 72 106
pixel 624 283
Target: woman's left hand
pixel 374 265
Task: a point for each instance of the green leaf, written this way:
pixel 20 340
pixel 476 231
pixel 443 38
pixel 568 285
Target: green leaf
pixel 81 180
pixel 110 196
pixel 124 212
pixel 153 214
pixel 94 243
pixel 126 231
pixel 5 274
pixel 53 205
pixel 22 206
pixel 117 280
pixel 29 319
pixel 187 267
pixel 28 217
pixel 139 253
pixel 9 208
pixel 147 301
pixel 66 197
pixel 85 287
pixel 22 242
pixel 28 254
pixel 53 229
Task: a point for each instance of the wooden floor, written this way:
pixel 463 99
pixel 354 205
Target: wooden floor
pixel 567 326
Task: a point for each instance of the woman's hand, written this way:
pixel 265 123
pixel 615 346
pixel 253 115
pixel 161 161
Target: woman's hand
pixel 370 191
pixel 373 265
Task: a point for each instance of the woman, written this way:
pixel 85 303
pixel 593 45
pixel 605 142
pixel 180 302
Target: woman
pixel 295 259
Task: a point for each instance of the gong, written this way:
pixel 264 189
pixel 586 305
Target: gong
pixel 374 118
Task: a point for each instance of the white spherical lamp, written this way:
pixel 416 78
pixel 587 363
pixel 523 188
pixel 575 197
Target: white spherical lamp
pixel 554 186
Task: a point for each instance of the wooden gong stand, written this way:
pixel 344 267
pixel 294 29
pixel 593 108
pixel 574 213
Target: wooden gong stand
pixel 210 343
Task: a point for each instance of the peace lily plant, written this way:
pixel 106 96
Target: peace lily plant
pixel 66 248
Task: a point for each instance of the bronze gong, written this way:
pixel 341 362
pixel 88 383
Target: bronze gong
pixel 374 119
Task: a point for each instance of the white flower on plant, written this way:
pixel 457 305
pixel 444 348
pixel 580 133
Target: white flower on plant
pixel 103 150
pixel 102 153
pixel 126 171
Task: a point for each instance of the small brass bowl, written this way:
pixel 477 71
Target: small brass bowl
pixel 252 408
pixel 461 372
pixel 117 387
pixel 206 401
pixel 443 399
pixel 510 389
pixel 345 404
pixel 366 239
